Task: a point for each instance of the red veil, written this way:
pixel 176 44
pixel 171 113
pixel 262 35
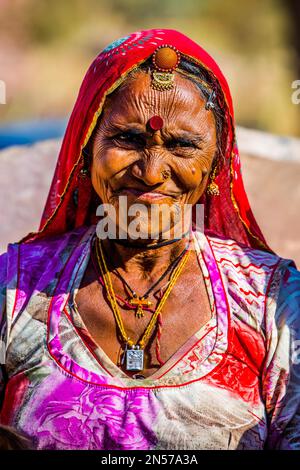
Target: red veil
pixel 228 215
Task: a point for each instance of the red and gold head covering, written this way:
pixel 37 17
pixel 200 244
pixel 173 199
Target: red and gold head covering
pixel 228 215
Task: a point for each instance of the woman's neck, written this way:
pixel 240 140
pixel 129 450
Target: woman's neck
pixel 145 262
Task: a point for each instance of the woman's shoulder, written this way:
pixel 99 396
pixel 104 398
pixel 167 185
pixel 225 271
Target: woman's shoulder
pixel 245 257
pixel 33 268
pixel 32 258
pixel 258 281
pixel 250 269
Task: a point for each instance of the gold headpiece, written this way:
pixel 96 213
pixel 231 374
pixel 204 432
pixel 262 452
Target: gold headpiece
pixel 165 60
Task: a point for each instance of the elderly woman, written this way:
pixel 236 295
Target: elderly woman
pixel 164 342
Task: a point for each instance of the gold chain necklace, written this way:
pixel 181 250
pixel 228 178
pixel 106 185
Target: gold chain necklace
pixel 140 302
pixel 135 354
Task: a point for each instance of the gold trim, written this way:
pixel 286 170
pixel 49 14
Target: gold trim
pixel 260 242
pixel 199 62
pixel 193 77
pixel 88 135
pixel 93 124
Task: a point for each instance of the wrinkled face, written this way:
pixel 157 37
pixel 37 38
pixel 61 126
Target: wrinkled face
pixel 167 167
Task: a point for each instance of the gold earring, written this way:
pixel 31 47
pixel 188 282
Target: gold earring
pixel 213 188
pixel 85 169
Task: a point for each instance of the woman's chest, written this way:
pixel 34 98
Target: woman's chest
pixel 186 310
pixel 58 412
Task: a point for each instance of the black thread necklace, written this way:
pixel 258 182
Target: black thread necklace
pixel 125 242
pixel 139 302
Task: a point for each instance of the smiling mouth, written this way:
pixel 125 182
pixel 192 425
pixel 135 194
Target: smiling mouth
pixel 147 195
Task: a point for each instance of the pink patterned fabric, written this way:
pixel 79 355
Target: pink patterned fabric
pixel 233 385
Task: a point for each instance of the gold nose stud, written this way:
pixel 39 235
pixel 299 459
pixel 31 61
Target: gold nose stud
pixel 165 174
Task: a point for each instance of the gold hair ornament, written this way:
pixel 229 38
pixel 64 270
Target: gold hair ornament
pixel 165 59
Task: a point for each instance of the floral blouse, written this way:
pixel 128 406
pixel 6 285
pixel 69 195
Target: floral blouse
pixel 235 384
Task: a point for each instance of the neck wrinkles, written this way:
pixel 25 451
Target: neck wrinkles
pixel 146 263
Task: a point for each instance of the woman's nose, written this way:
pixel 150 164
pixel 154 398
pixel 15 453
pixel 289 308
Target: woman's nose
pixel 151 169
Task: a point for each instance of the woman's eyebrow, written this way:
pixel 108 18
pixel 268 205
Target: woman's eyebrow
pixel 133 128
pixel 139 129
pixel 185 136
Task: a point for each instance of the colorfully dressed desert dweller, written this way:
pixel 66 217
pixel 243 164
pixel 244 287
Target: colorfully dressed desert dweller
pixel 187 342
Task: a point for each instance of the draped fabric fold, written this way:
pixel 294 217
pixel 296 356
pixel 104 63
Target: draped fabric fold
pixel 72 201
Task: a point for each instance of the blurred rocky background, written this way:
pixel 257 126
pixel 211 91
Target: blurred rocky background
pixel 271 172
pixel 46 47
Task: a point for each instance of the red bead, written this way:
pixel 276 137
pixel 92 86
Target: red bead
pixel 166 58
pixel 156 123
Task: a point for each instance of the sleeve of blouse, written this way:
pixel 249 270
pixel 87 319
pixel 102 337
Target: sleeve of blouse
pixel 281 375
pixel 3 276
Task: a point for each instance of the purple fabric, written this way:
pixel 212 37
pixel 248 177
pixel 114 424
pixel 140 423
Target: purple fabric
pixel 69 414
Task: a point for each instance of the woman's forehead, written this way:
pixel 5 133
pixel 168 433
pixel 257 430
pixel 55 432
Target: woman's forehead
pixel 137 101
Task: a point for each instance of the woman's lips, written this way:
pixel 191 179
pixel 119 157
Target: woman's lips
pixel 145 196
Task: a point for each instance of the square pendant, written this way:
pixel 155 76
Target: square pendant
pixel 134 359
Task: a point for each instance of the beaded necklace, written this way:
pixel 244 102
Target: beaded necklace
pixel 140 302
pixel 134 353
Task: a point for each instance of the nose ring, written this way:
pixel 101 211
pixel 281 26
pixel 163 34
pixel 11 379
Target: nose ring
pixel 165 174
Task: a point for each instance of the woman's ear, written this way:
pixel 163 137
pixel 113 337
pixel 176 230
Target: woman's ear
pixel 87 153
pixel 86 162
pixel 90 145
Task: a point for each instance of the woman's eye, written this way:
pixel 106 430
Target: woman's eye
pixel 175 144
pixel 125 136
pixel 130 138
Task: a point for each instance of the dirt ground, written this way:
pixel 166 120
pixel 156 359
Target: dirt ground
pixel 273 189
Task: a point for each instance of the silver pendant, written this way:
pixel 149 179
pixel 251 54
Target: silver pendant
pixel 134 359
